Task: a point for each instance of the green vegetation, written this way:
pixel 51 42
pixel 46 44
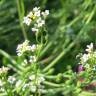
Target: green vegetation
pixel 70 26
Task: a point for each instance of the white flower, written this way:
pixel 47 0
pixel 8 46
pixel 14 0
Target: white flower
pixel 34 15
pixel 19 54
pixel 89 47
pixel 28 48
pixel 25 43
pixel 3 69
pixel 33 47
pixel 40 22
pixel 84 58
pixel 30 14
pixel 25 47
pixel 27 21
pixel 18 83
pixel 21 48
pixel 35 9
pixel 11 79
pixel 40 80
pixel 32 88
pixel 32 59
pixel 34 29
pixel 45 13
pixel 37 13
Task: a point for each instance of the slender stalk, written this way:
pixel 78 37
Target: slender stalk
pixel 58 57
pixel 72 44
pixel 51 43
pixel 46 48
pixel 53 84
pixel 20 6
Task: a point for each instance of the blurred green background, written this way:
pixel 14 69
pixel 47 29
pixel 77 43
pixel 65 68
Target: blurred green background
pixel 71 26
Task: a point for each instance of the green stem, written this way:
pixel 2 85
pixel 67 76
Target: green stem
pixel 53 84
pixel 46 48
pixel 20 6
pixel 51 43
pixel 51 77
pixel 71 45
pixel 59 57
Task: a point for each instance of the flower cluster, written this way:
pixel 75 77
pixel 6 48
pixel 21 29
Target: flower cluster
pixel 25 47
pixel 31 59
pixel 3 70
pixel 31 84
pixel 34 83
pixel 36 18
pixel 11 79
pixel 88 59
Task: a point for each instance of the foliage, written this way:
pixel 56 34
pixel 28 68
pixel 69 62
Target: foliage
pixel 70 25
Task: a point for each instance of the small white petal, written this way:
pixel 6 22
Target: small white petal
pixel 47 12
pixel 27 21
pixel 32 88
pixel 33 47
pixel 34 29
pixel 41 79
pixel 40 22
pixel 89 47
pixel 11 79
pixel 37 13
pixel 19 54
pixel 35 9
pixel 30 14
pixel 32 59
pixel 85 57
